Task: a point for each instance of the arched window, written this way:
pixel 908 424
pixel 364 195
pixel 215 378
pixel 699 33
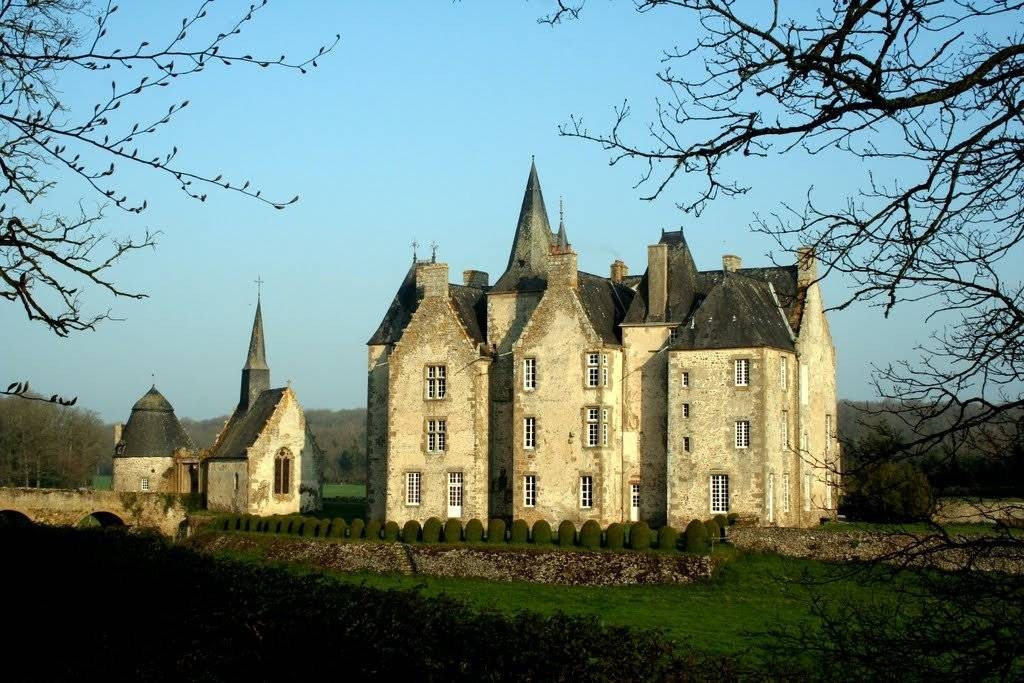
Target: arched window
pixel 283 472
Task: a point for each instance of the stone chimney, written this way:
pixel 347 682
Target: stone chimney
pixel 475 278
pixel 432 278
pixel 118 429
pixel 562 269
pixel 657 281
pixel 619 270
pixel 807 266
pixel 731 263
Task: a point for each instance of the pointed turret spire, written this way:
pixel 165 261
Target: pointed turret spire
pixel 527 261
pixel 561 240
pixel 256 372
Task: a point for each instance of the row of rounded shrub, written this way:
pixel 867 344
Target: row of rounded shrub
pixel 698 536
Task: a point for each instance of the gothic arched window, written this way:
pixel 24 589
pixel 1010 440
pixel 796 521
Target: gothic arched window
pixel 283 472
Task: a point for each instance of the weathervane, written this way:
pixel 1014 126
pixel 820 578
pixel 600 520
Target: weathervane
pixel 414 245
pixel 259 286
pixel 433 252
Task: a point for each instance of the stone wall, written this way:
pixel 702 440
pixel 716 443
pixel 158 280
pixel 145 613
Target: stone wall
pixel 67 507
pixel 558 567
pixel 129 472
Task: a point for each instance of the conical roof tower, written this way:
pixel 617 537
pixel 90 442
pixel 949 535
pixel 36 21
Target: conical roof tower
pixel 256 372
pixel 527 261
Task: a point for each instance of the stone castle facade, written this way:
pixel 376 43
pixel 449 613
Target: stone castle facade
pixel 562 395
pixel 264 461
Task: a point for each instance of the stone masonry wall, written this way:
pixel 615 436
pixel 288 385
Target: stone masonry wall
pixel 129 472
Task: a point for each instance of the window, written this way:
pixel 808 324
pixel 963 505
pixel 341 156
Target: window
pixel 742 372
pixel 436 436
pixel 784 429
pixel 236 481
pixel 437 382
pixel 283 472
pixel 686 444
pixel 686 410
pixel 597 369
pixel 803 442
pixel 593 426
pixel 455 494
pixel 673 334
pixel 742 434
pixel 807 492
pixel 529 432
pixel 604 426
pixel 530 490
pixel 684 380
pixel 828 490
pixel 586 492
pixel 828 435
pixel 144 484
pixel 719 493
pixel 412 488
pixel 634 496
pixel 783 380
pixel 785 493
pixel 529 374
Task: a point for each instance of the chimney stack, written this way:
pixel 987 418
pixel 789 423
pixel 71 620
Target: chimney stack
pixel 475 278
pixel 731 263
pixel 657 281
pixel 619 271
pixel 432 278
pixel 807 266
pixel 118 429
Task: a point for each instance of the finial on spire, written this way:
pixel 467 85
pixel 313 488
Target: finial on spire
pixel 259 286
pixel 561 212
pixel 152 376
pixel 433 252
pixel 414 245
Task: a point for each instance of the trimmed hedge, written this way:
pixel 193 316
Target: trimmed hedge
pixel 295 525
pixel 590 534
pixel 732 518
pixel 496 531
pixel 338 528
pixel 452 531
pixel 474 531
pixel 639 536
pixel 722 521
pixel 356 529
pixel 520 532
pixel 390 531
pixel 668 538
pixel 615 536
pixel 432 530
pixel 566 533
pixel 373 530
pixel 541 532
pixel 696 537
pixel 310 527
pixel 411 531
pixel 714 532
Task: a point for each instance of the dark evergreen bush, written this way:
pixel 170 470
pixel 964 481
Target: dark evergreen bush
pixel 668 538
pixel 238 522
pixel 732 518
pixel 410 532
pixel 566 533
pixel 310 526
pixel 615 536
pixel 722 521
pixel 496 531
pixel 520 532
pixel 295 525
pixel 714 532
pixel 356 529
pixel 541 532
pixel 391 531
pixel 590 534
pixel 639 536
pixel 452 531
pixel 338 528
pixel 432 530
pixel 474 531
pixel 888 492
pixel 223 524
pixel 373 530
pixel 696 537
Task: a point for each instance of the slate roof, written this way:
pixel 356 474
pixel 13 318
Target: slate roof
pixel 242 429
pixel 738 311
pixel 257 356
pixel 527 262
pixel 683 286
pixel 153 429
pixel 469 302
pixel 605 304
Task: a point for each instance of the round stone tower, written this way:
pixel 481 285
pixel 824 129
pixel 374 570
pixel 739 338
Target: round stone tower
pixel 144 457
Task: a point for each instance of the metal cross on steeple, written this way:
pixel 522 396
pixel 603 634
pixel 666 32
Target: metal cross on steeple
pixel 414 245
pixel 259 286
pixel 433 252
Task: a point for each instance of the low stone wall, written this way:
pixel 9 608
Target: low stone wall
pixel 979 510
pixel 559 567
pixel 851 546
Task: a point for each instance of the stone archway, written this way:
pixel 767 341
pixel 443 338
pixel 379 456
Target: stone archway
pixel 12 517
pixel 101 518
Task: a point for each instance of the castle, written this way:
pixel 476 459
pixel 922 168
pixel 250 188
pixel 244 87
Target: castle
pixel 264 461
pixel 561 395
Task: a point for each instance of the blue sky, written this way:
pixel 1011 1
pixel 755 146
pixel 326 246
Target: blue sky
pixel 419 126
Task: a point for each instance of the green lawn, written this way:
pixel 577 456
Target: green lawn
pixel 101 482
pixel 344 491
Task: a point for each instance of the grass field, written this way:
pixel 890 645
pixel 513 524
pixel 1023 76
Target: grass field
pixel 344 491
pixel 101 482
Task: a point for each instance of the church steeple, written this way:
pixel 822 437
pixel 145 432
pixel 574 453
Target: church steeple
pixel 527 261
pixel 256 372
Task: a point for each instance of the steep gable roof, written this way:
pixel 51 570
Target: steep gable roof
pixel 242 429
pixel 605 304
pixel 682 286
pixel 527 261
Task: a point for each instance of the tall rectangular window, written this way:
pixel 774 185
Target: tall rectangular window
pixel 530 490
pixel 785 493
pixel 597 369
pixel 684 380
pixel 604 426
pixel 586 491
pixel 593 426
pixel 807 492
pixel 412 488
pixel 686 444
pixel 529 432
pixel 436 382
pixel 828 489
pixel 742 434
pixel 673 334
pixel 741 370
pixel 719 493
pixel 283 472
pixel 437 436
pixel 686 410
pixel 784 428
pixel 783 373
pixel 144 484
pixel 529 374
pixel 828 436
pixel 455 494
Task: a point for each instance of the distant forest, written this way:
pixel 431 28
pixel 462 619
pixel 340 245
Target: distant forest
pixel 42 444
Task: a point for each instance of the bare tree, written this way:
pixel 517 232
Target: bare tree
pixel 47 258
